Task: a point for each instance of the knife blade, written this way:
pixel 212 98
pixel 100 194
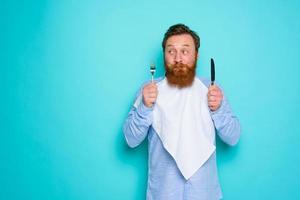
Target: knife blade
pixel 212 71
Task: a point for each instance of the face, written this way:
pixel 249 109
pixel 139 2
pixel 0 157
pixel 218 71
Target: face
pixel 180 60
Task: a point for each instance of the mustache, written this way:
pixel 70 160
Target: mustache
pixel 180 75
pixel 179 69
pixel 179 66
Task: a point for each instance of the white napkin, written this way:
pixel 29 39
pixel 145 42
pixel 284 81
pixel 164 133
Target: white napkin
pixel 182 120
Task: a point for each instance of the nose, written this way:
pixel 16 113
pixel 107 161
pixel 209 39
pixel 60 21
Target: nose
pixel 178 57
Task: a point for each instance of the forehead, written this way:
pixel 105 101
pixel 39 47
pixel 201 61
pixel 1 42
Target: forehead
pixel 180 40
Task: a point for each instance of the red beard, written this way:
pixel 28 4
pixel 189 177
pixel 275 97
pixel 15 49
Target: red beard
pixel 180 75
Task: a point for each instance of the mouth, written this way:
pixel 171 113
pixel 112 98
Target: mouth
pixel 180 69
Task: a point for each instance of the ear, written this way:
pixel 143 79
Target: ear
pixel 197 55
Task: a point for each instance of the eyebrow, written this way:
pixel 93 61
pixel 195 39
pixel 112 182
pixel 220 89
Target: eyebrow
pixel 185 45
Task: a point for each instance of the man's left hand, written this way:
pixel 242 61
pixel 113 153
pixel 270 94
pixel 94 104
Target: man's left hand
pixel 214 97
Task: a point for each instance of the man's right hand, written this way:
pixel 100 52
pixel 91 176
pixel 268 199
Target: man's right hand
pixel 150 94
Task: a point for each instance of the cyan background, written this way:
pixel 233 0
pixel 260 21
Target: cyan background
pixel 70 70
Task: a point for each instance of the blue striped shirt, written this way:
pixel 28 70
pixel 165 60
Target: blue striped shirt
pixel 165 181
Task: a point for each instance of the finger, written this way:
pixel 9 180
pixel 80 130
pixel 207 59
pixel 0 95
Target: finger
pixel 213 92
pixel 211 98
pixel 152 95
pixel 153 85
pixel 211 102
pixel 212 87
pixel 214 104
pixel 154 90
pixel 149 99
pixel 152 100
pixel 211 107
pixel 150 85
pixel 215 97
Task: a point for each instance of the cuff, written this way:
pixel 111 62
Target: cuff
pixel 143 110
pixel 219 110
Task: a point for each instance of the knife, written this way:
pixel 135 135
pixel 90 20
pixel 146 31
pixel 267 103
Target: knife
pixel 212 71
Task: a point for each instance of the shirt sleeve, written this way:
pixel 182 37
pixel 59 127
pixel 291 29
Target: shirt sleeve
pixel 137 124
pixel 226 123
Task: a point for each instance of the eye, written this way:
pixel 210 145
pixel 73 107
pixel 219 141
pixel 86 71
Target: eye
pixel 171 51
pixel 184 52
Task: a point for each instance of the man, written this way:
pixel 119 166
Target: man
pixel 179 114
